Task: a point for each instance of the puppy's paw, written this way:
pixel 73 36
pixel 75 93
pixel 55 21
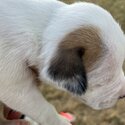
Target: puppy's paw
pixel 64 121
pixel 56 120
pixel 32 122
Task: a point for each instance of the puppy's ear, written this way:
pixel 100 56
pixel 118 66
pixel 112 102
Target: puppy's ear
pixel 75 57
pixel 67 66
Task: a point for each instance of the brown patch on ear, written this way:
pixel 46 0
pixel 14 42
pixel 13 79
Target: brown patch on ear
pixel 68 70
pixel 87 38
pixel 67 67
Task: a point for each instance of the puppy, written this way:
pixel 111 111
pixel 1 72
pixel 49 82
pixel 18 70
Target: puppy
pixel 78 48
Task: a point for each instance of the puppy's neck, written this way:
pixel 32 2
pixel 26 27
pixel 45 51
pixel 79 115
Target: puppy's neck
pixel 33 15
pixel 44 12
pixel 39 15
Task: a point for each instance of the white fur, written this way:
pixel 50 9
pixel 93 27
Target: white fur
pixel 32 122
pixel 31 30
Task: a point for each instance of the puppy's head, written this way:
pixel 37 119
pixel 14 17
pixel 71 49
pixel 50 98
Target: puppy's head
pixel 83 53
pixel 75 56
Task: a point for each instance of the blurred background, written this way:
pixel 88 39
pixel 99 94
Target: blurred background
pixel 85 115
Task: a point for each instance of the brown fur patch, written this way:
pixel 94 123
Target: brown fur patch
pixel 87 38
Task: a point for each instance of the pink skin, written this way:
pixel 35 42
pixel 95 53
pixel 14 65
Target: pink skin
pixel 13 117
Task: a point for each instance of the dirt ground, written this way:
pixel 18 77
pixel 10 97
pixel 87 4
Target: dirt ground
pixel 85 115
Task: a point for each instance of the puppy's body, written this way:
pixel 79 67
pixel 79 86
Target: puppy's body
pixel 22 39
pixel 70 46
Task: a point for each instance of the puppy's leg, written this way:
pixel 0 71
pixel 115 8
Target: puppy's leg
pixel 18 90
pixel 27 99
pixel 32 122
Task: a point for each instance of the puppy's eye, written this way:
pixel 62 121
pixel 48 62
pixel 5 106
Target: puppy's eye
pixel 80 52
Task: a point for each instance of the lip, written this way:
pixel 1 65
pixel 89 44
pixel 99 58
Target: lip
pixel 121 97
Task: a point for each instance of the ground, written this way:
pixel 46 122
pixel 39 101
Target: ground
pixel 84 114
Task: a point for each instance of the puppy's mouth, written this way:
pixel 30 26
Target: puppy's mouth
pixel 122 92
pixel 122 97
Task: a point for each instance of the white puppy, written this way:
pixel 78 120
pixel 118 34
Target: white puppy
pixel 79 48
